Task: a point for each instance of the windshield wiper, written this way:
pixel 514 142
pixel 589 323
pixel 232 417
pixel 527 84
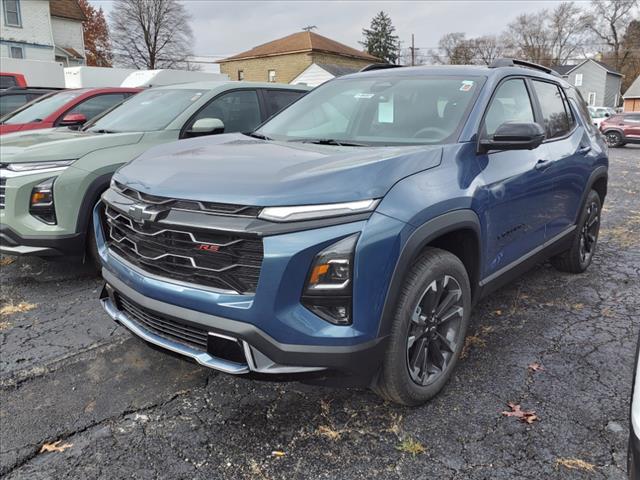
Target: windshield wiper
pixel 258 135
pixel 331 141
pixel 102 130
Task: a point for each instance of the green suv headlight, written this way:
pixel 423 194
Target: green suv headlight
pixel 41 203
pixel 37 166
pixel 328 291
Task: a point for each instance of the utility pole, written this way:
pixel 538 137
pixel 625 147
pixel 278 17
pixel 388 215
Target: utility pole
pixel 413 51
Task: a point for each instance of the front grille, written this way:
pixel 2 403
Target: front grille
pixel 163 326
pixel 220 260
pixel 189 205
pixel 3 188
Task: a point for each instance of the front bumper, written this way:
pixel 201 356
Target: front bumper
pixel 12 243
pixel 261 352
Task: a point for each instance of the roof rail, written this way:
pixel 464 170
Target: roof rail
pixel 378 66
pixel 514 62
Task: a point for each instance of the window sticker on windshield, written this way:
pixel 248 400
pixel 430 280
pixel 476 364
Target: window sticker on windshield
pixel 363 95
pixel 385 112
pixel 466 85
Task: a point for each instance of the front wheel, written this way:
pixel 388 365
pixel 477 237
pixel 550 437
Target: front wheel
pixel 428 331
pixel 614 139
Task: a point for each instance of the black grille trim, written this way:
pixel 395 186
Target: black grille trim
pixel 221 260
pixel 163 326
pixel 189 205
pixel 3 189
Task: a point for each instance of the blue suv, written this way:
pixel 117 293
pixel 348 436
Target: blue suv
pixel 354 231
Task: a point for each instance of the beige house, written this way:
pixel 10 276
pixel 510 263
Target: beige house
pixel 285 59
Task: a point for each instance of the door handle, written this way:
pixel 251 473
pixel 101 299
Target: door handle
pixel 543 164
pixel 583 150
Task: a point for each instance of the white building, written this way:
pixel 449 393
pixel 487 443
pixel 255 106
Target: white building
pixel 318 73
pixel 48 30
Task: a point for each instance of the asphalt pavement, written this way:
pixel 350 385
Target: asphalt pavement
pixel 80 398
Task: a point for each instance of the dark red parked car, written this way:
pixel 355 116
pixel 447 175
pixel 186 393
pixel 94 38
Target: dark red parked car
pixel 621 129
pixel 67 108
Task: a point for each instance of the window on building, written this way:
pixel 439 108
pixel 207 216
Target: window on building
pixel 578 82
pixel 511 103
pixel 591 100
pixel 240 75
pixel 556 119
pixel 12 14
pixel 272 76
pixel 16 52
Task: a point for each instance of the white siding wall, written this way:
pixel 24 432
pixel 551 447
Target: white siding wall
pixel 68 33
pixel 36 29
pixel 313 76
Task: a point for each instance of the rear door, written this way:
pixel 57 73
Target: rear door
pixel 518 188
pixel 568 150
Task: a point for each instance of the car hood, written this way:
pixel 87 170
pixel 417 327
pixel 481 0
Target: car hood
pixel 241 170
pixel 58 144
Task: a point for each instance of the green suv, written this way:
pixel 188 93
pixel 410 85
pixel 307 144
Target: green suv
pixel 51 179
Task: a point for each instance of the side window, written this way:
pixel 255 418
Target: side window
pixel 7 81
pixel 632 118
pixel 511 103
pixel 556 120
pixel 96 105
pixel 580 107
pixel 239 111
pixel 8 103
pixel 277 100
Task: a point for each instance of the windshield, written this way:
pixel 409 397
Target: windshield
pixel 41 108
pixel 378 111
pixel 148 111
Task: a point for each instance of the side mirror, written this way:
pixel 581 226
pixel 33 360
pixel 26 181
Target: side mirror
pixel 206 126
pixel 73 119
pixel 514 136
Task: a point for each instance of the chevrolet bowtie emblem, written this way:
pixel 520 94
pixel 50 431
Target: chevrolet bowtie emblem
pixel 142 213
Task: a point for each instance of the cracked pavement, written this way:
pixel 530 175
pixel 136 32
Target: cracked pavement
pixel 128 411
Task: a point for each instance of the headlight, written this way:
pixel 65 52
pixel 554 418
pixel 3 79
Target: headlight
pixel 329 290
pixel 36 166
pixel 312 212
pixel 41 204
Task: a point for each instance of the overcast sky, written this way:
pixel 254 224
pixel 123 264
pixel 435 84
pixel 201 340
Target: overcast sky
pixel 225 28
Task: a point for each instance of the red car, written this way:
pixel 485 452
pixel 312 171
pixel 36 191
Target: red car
pixel 67 108
pixel 621 129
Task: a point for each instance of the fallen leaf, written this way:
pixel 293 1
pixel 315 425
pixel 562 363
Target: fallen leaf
pixel 575 464
pixel 469 342
pixel 11 308
pixel 4 325
pixel 55 447
pixel 525 416
pixel 4 261
pixel 498 312
pixel 277 453
pixel 411 446
pixel 329 432
pixel 535 367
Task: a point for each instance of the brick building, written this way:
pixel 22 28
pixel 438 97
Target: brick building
pixel 282 60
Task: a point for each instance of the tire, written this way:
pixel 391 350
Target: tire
pixel 585 238
pixel 436 278
pixel 614 139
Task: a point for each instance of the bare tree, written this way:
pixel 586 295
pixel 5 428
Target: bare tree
pixel 528 36
pixel 608 21
pixel 488 48
pixel 566 26
pixel 151 34
pixel 454 49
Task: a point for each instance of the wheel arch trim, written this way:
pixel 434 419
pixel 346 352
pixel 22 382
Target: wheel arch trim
pixel 464 219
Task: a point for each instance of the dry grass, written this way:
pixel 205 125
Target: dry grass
pixel 12 308
pixel 575 464
pixel 409 445
pixel 4 326
pixel 330 432
pixel 475 341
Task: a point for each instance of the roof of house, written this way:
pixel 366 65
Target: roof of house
pixel 337 70
pixel 66 9
pixel 301 42
pixel 634 90
pixel 563 69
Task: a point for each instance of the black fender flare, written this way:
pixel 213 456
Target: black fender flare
pixel 421 237
pixel 90 198
pixel 598 174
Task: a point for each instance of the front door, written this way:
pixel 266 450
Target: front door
pixel 518 188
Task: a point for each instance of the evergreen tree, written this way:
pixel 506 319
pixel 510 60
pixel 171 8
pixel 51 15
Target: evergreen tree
pixel 379 39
